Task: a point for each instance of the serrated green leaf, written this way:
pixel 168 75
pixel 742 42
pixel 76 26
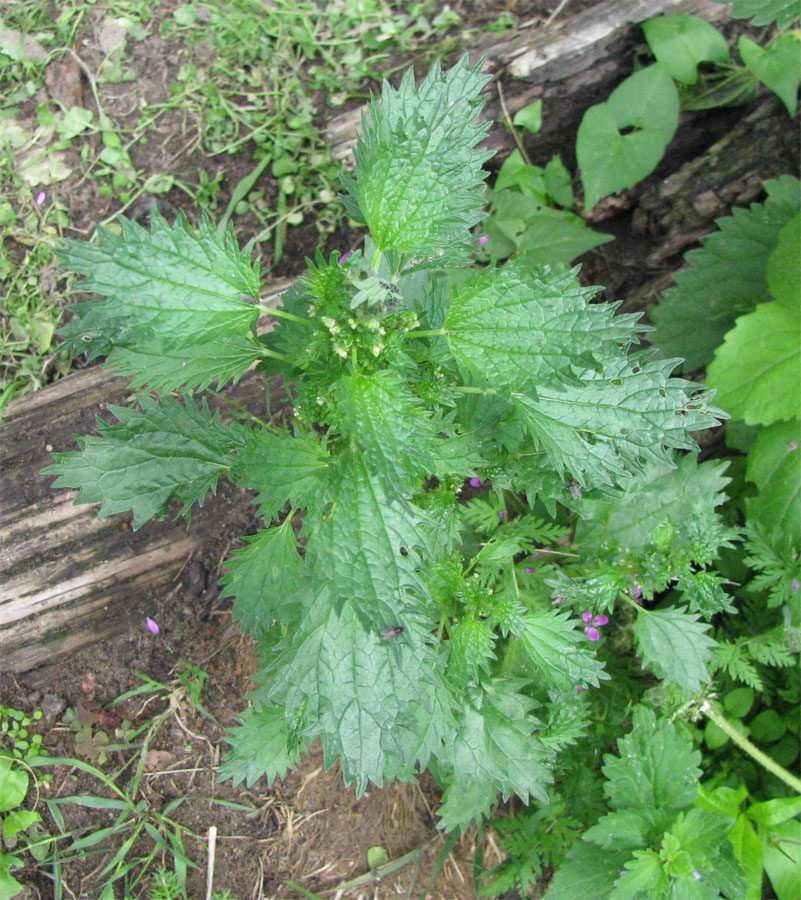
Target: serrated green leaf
pixel 778 65
pixel 782 859
pixel 773 465
pixel 644 876
pixel 386 424
pixel 766 12
pixel 471 644
pixel 188 367
pixel 619 830
pixel 464 801
pixel 163 452
pixel 260 745
pixel 784 266
pixel 675 643
pixel 725 278
pixel 525 327
pixel 358 691
pixel 494 741
pixel 588 871
pixel 172 284
pixel 648 103
pixel 655 770
pixel 615 420
pixel 749 853
pixel 679 43
pixel 419 143
pixel 649 499
pixel 355 543
pixel 282 468
pixel 755 370
pixel 556 654
pixel 263 575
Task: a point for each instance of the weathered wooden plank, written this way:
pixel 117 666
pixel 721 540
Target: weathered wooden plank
pixel 68 578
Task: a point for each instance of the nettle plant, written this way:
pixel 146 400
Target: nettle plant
pixel 402 626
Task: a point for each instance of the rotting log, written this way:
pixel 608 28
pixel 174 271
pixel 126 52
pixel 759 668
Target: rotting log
pixel 572 63
pixel 68 578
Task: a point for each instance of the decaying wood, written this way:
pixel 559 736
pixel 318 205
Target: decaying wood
pixel 569 65
pixel 679 208
pixel 68 578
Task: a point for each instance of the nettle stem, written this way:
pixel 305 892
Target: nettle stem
pixel 434 332
pixel 288 316
pixel 712 711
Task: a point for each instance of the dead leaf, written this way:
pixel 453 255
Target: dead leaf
pixel 63 79
pixel 158 760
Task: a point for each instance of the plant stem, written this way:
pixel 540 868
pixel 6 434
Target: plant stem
pixel 434 332
pixel 752 750
pixel 469 389
pixel 283 314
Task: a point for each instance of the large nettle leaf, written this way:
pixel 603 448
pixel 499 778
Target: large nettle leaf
pixel 166 451
pixel 168 287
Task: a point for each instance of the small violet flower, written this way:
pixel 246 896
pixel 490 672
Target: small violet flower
pixel 557 601
pixel 696 875
pixel 345 257
pixel 475 482
pixel 636 591
pixel 152 626
pixel 592 621
pixel 794 585
pixel 502 515
pixel 482 239
pixel 579 688
pixel 40 198
pixel 530 570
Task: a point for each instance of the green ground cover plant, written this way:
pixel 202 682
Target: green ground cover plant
pixel 450 575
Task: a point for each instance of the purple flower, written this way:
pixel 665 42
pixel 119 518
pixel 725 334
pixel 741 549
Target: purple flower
pixel 345 257
pixel 530 570
pixel 40 198
pixel 592 621
pixel 482 239
pixel 579 688
pixel 475 482
pixel 696 875
pixel 152 626
pixel 502 515
pixel 636 591
pixel 794 585
pixel 557 601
